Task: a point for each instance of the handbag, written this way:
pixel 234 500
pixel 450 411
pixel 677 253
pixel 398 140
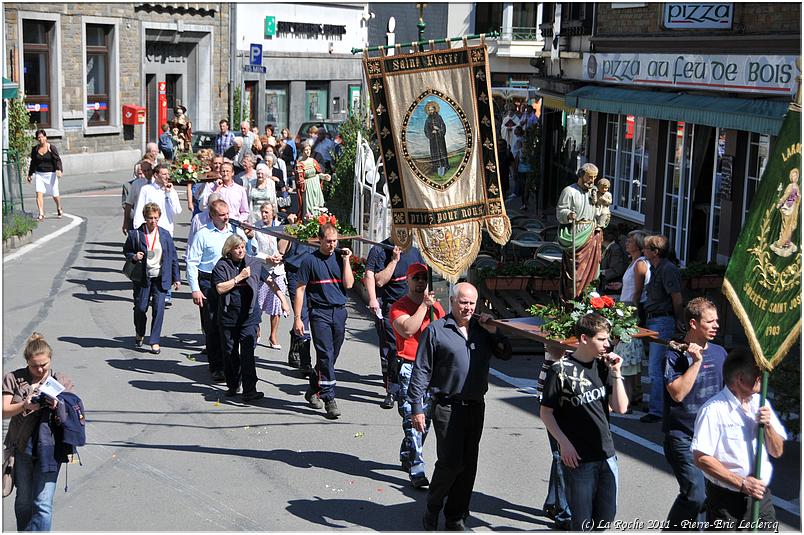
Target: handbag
pixel 135 271
pixel 8 471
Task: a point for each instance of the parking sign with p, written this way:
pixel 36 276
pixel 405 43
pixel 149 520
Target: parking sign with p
pixel 255 54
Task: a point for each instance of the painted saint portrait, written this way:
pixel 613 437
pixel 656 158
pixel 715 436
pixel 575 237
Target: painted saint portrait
pixel 435 135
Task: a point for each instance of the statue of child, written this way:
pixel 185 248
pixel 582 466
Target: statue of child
pixel 604 200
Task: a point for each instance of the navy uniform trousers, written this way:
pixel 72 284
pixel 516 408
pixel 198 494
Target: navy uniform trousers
pixel 385 332
pixel 297 343
pixel 328 327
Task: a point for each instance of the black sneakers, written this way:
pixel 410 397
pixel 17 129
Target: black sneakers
pixel 332 409
pixel 254 395
pixel 419 481
pixel 388 402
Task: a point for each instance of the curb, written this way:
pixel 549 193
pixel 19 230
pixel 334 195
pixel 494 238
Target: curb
pixel 15 242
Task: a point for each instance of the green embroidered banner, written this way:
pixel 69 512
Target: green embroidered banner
pixel 763 279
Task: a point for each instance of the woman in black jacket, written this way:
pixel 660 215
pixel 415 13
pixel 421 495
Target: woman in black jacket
pixel 237 280
pixel 46 168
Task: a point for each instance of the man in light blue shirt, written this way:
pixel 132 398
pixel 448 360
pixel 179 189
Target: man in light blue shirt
pixel 205 251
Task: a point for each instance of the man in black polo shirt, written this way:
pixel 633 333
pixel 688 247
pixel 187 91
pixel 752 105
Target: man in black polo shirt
pixel 452 360
pixel 665 315
pixel 324 278
pixel 386 282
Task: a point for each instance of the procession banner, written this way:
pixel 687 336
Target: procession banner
pixel 435 127
pixel 763 279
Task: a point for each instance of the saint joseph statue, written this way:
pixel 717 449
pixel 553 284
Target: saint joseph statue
pixel 577 204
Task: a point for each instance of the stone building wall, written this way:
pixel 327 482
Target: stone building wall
pixel 117 146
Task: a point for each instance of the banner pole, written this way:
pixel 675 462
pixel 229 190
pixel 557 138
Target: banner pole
pixel 758 453
pixel 492 35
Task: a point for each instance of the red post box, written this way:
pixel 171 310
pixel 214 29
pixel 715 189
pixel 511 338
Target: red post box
pixel 133 115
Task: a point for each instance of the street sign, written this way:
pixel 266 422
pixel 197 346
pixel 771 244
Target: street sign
pixel 255 54
pixel 270 26
pixel 259 69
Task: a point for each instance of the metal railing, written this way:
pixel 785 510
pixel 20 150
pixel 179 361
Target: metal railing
pixel 12 181
pixel 521 33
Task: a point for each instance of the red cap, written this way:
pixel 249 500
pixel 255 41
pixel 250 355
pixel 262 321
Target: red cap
pixel 417 267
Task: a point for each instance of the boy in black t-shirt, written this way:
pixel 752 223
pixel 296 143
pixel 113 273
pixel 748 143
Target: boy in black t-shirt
pixel 575 409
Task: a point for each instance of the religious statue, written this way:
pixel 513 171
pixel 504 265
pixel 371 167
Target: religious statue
pixel 602 203
pixel 579 234
pixel 182 129
pixel 788 206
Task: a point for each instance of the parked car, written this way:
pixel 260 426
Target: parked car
pixel 203 140
pixel 332 127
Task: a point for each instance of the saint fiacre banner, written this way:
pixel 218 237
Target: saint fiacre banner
pixel 435 127
pixel 763 279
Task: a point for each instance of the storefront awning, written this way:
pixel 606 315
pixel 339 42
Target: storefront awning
pixel 554 101
pixel 752 115
pixel 9 89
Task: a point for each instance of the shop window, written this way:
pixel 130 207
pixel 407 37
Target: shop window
pixel 98 53
pixel 276 105
pixel 37 51
pixel 488 17
pixel 758 150
pixel 316 101
pixel 677 186
pixel 625 164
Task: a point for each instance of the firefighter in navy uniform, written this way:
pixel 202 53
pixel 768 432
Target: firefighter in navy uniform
pixel 386 282
pixel 323 277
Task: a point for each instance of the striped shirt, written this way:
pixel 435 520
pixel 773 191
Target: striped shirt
pixel 223 142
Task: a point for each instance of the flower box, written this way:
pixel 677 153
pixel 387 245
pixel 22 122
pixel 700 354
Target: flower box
pixel 530 327
pixel 704 282
pixel 507 283
pixel 541 284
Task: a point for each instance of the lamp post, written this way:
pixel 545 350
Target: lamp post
pixel 421 25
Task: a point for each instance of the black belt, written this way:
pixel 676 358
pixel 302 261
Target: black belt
pixel 203 275
pixel 654 315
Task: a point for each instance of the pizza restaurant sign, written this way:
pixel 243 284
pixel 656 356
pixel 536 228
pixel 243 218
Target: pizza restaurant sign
pixel 743 74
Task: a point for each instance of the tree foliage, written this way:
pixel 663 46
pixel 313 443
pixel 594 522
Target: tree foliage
pixel 20 132
pixel 341 189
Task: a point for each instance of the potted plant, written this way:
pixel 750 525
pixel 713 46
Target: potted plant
pixel 703 275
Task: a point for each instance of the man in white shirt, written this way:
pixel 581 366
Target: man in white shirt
pixel 161 192
pixel 724 446
pixel 141 177
pixel 245 148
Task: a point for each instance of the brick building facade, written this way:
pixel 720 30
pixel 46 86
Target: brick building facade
pixel 681 107
pixel 78 64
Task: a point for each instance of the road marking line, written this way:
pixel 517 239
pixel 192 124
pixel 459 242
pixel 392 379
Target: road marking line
pixel 528 386
pixel 44 239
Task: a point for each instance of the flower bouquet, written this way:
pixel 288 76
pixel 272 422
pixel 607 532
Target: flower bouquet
pixel 186 167
pixel 308 230
pixel 560 323
pixel 358 267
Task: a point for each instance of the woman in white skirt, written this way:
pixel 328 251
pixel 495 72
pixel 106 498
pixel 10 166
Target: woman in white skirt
pixel 634 292
pixel 45 170
pixel 272 293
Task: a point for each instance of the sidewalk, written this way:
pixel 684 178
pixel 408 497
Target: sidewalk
pixel 71 184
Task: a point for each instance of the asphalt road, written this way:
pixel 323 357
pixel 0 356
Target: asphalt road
pixel 167 452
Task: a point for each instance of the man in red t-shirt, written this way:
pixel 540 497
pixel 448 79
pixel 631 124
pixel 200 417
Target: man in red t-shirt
pixel 410 316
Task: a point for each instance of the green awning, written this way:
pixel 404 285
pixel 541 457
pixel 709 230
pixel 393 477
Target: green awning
pixel 751 115
pixel 9 89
